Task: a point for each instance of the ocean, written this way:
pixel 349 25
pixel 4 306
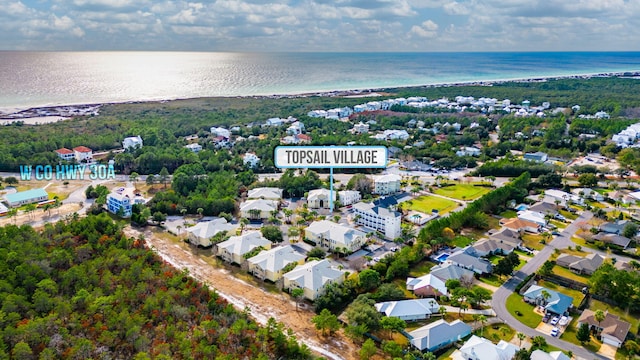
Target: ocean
pixel 30 79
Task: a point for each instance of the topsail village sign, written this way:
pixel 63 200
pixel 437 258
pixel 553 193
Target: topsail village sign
pixel 330 157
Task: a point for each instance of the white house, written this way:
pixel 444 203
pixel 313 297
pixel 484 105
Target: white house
pixel 201 233
pixel 65 154
pixel 469 151
pixel 26 197
pixel 333 236
pixel 477 348
pixel 234 249
pixel 274 121
pixel 83 154
pixel 378 218
pixel 250 159
pixel 219 131
pixel 438 335
pixel 132 142
pixel 427 285
pixel 319 198
pixel 396 134
pixel 195 147
pixel 258 208
pixel 588 194
pixel 349 197
pixel 361 128
pixel 270 193
pixel 386 184
pixel 312 277
pixel 269 264
pixel 563 196
pixel 533 216
pixel 536 156
pixel 554 355
pixel 296 128
pixel 409 310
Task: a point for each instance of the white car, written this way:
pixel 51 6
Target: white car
pixel 555 331
pixel 554 320
pixel 563 321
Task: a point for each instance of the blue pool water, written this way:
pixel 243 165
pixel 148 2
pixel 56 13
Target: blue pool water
pixel 442 257
pixel 522 207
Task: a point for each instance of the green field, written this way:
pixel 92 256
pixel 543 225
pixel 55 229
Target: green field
pixel 496 332
pixel 527 317
pixel 566 273
pixel 633 319
pixel 462 191
pixel 426 204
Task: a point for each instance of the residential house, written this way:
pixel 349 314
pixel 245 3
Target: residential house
pixel 613 331
pixel 487 247
pixel 554 355
pixel 334 236
pixel 552 301
pixel 469 151
pixel 520 225
pixel 360 128
pixel 313 277
pixel 477 348
pixel 349 197
pixel 386 184
pixel 616 227
pixel 544 207
pixel 588 194
pixel 467 259
pixel 256 209
pixel 83 154
pixel 195 147
pixel 427 286
pixel 296 128
pixel 65 154
pixel 445 272
pixel 270 193
pixel 269 264
pixel 438 335
pixel 536 156
pixel 274 122
pixel 613 239
pixel 219 131
pixel 234 249
pixel 582 265
pixel 533 216
pixel 319 198
pixel 3 210
pixel 507 235
pixel 121 201
pixel 409 310
pixel 378 218
pixel 132 142
pixel 563 197
pixel 26 197
pixel 396 134
pixel 251 160
pixel 622 196
pixel 201 233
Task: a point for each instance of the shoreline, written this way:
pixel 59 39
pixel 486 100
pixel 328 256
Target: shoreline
pixel 13 114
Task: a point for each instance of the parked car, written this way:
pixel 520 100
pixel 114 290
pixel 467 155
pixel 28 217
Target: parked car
pixel 557 233
pixel 545 319
pixel 555 331
pixel 554 321
pixel 563 321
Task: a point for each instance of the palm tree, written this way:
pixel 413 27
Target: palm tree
pixel 521 336
pixel 463 307
pixel 243 223
pixel 287 215
pixel 200 211
pixel 183 212
pixel 133 177
pixel 443 311
pixel 179 227
pixel 482 319
pixel 599 316
pixel 255 213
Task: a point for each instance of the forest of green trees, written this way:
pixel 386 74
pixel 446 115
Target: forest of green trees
pixel 82 289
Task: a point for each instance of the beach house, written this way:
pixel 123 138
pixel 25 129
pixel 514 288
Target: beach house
pixel 202 232
pixel 26 197
pixel 65 154
pixel 612 329
pixel 378 218
pixel 313 277
pixel 438 335
pixel 409 310
pixel 478 348
pixel 250 160
pixel 234 249
pixel 319 198
pixel 83 154
pixel 386 184
pixel 551 301
pixel 269 193
pixel 334 236
pixel 255 209
pixel 132 142
pixel 121 200
pixel 269 264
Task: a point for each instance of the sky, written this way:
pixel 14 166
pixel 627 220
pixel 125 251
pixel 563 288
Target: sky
pixel 321 25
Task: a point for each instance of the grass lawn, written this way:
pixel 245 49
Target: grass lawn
pixel 568 215
pixel 494 259
pixel 421 268
pixel 532 241
pixel 558 224
pixel 633 319
pixel 496 332
pixel 527 317
pixel 461 241
pixel 402 284
pixel 426 204
pixel 575 294
pixel 447 354
pixel 564 272
pixel 570 335
pixel 509 214
pixel 462 191
pixel 492 279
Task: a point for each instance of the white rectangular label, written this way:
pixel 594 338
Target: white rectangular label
pixel 330 156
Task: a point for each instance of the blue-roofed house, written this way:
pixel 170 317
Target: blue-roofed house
pixel 409 310
pixel 26 197
pixel 555 302
pixel 438 335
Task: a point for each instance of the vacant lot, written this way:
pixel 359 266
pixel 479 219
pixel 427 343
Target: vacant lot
pixel 462 191
pixel 426 204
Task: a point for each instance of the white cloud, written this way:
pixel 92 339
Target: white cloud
pixel 456 8
pixel 428 29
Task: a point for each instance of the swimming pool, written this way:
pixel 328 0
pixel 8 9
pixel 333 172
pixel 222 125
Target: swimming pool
pixel 522 207
pixel 443 257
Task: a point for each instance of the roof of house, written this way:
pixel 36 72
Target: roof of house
pixel 614 227
pixel 64 151
pixel 508 235
pixel 554 355
pixel 82 149
pixel 317 193
pixel 517 224
pixel 430 283
pixel 25 195
pixel 437 333
pixel 314 274
pixel 259 204
pixel 334 231
pixel 557 302
pixel 387 178
pixel 533 216
pixel 463 258
pixel 613 239
pixel 208 229
pixel 379 210
pixel 588 263
pixel 3 209
pixel 244 243
pixel 265 193
pixel 482 349
pixel 611 325
pixel 277 258
pixel 544 207
pixel 415 307
pixel 386 201
pixel 492 245
pixel 445 272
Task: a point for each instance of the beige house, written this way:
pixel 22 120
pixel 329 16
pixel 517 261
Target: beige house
pixel 613 331
pixel 234 249
pixel 319 198
pixel 312 277
pixel 202 232
pixel 333 236
pixel 269 193
pixel 386 184
pixel 258 208
pixel 269 264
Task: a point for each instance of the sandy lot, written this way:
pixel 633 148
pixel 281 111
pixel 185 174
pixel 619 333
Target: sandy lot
pixel 262 304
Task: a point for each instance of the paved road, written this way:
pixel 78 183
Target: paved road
pixel 499 300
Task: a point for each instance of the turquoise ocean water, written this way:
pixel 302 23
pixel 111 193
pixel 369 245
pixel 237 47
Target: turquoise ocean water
pixel 58 78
